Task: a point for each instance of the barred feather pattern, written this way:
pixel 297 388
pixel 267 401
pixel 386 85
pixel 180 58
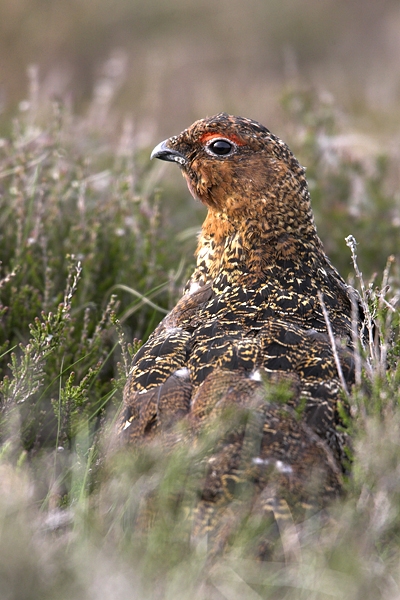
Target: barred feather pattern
pixel 249 322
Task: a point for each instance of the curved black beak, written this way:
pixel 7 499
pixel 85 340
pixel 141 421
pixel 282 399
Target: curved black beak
pixel 162 152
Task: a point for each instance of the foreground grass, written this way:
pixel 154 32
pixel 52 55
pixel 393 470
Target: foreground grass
pixel 86 267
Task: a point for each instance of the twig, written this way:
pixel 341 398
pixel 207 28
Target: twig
pixel 355 336
pixel 333 344
pixel 352 243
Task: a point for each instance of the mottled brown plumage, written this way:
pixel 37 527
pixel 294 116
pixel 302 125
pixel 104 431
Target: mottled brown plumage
pixel 249 317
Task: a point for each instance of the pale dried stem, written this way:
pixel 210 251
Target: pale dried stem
pixel 352 243
pixel 9 276
pixel 355 336
pixel 390 305
pixel 333 344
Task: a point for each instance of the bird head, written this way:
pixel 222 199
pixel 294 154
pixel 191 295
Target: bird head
pixel 250 181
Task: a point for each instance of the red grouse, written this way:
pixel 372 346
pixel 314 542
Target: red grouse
pixel 250 324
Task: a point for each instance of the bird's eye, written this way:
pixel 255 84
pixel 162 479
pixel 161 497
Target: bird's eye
pixel 220 147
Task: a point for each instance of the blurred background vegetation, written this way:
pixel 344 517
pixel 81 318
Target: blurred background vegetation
pixel 153 67
pixel 96 243
pixel 177 60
